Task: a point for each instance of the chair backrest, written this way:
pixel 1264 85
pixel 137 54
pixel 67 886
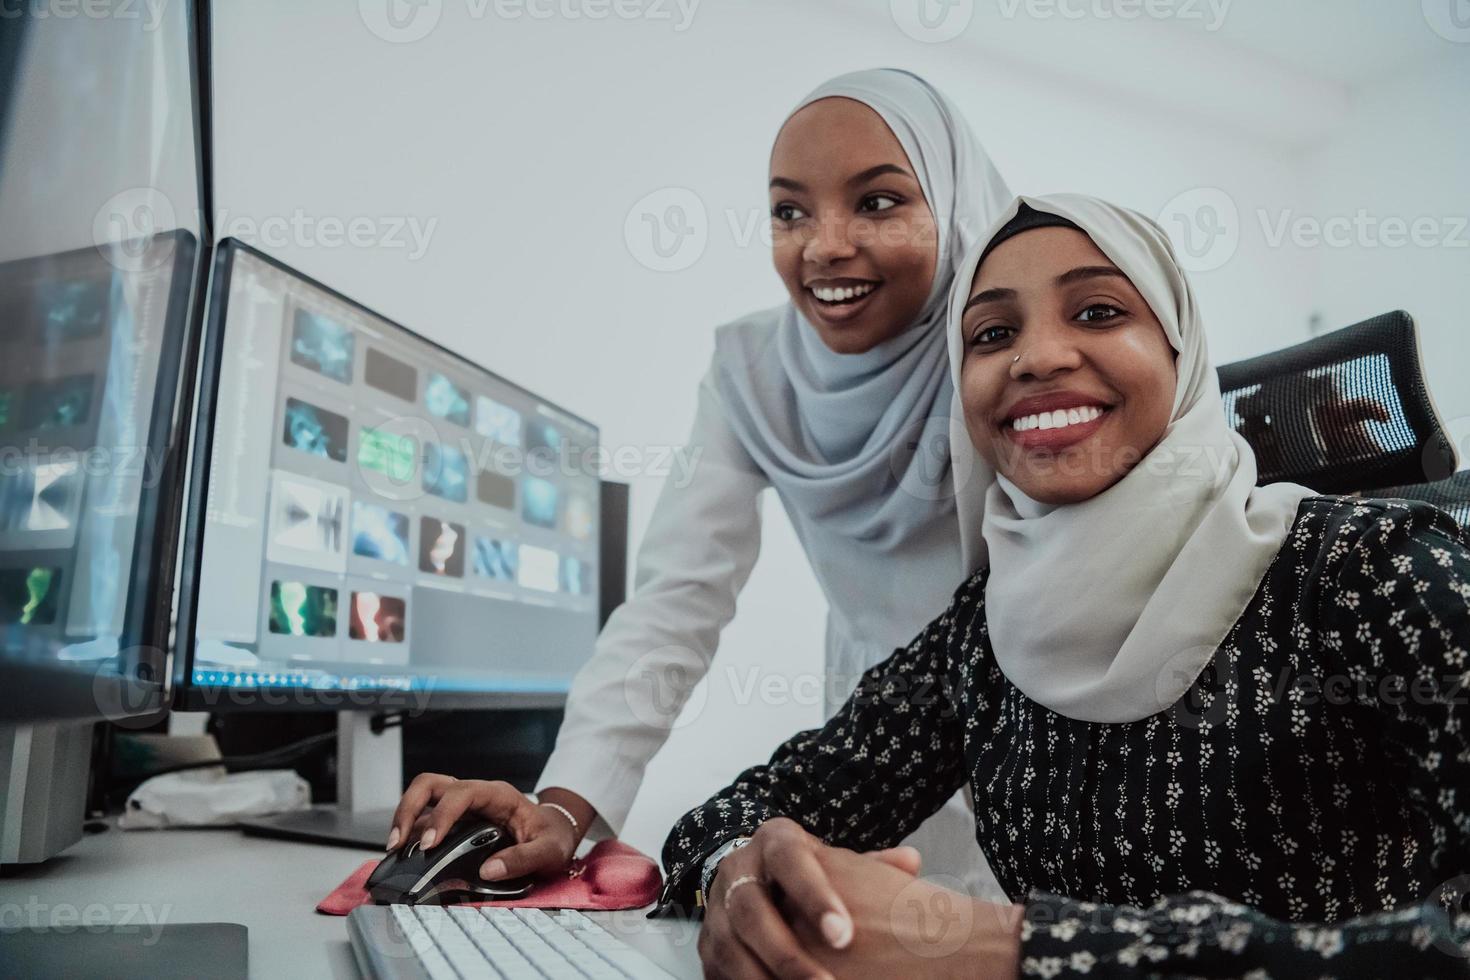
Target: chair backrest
pixel 1450 495
pixel 1345 412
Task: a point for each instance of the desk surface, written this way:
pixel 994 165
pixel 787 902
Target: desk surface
pixel 161 877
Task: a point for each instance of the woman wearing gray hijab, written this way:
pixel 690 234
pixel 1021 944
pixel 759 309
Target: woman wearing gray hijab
pixel 1212 728
pixel 838 400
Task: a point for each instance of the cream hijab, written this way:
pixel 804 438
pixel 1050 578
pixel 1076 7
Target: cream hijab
pixel 1107 610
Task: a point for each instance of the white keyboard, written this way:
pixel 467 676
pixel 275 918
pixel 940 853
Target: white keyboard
pixel 393 942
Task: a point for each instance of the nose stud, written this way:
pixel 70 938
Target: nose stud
pixel 1016 359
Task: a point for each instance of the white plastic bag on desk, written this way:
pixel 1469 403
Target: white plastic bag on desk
pixel 212 798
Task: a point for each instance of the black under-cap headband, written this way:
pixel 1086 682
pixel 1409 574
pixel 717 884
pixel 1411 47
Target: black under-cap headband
pixel 1026 219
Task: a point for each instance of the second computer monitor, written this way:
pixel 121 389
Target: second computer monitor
pixel 378 515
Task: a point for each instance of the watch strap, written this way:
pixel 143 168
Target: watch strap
pixel 712 866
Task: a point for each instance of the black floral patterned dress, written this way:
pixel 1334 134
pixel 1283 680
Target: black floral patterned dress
pixel 1304 810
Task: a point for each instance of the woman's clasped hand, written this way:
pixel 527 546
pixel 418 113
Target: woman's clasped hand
pixel 787 905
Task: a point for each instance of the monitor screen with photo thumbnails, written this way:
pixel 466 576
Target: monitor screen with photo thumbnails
pixel 379 514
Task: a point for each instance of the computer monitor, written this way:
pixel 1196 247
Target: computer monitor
pixel 100 205
pixel 89 366
pixel 376 523
pixel 102 197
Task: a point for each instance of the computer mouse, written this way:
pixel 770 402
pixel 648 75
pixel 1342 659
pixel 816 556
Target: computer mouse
pixel 448 872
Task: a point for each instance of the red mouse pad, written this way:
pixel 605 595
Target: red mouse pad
pixel 611 876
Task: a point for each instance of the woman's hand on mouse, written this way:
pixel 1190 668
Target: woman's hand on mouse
pixel 759 892
pixel 545 838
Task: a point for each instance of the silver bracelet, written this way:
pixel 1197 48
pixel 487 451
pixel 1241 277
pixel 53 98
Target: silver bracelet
pixel 576 827
pixel 712 864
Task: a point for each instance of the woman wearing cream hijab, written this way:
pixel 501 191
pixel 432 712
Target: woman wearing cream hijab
pixel 835 399
pixel 1212 728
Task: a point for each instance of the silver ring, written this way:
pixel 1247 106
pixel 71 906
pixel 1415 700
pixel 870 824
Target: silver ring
pixel 1016 359
pixel 742 880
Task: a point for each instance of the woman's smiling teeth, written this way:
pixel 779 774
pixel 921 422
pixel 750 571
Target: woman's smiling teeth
pixel 842 294
pixel 1058 419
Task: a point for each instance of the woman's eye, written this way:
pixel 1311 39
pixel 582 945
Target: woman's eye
pixel 987 336
pixel 787 212
pixel 1098 313
pixel 878 202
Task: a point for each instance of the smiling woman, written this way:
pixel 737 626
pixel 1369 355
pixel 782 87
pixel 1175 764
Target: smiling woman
pixel 1105 319
pixel 1182 700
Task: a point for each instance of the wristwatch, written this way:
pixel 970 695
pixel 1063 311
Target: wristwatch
pixel 712 865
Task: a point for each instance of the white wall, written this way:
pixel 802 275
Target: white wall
pixel 527 142
pixel 1403 155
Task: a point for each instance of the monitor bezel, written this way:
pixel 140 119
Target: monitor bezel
pixel 188 696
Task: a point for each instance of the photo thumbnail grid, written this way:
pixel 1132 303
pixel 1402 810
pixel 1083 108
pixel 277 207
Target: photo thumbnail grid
pixel 321 525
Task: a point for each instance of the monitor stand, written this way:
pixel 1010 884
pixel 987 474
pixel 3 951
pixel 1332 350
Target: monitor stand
pixel 369 783
pixel 43 789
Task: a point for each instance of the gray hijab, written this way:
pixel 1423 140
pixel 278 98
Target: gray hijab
pixel 860 441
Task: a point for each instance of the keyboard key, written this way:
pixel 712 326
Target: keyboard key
pixel 498 948
pixel 423 945
pixel 456 946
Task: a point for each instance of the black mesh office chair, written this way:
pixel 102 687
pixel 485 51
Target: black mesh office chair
pixel 1345 412
pixel 1451 495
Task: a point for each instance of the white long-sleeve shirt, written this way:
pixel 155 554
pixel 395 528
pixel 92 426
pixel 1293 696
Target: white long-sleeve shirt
pixel 696 556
